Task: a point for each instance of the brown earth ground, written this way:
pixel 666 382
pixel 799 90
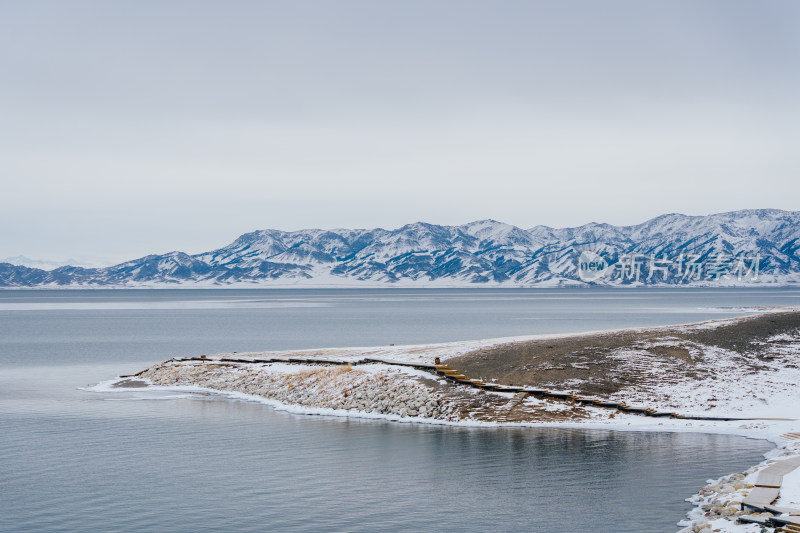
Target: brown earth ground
pixel 585 364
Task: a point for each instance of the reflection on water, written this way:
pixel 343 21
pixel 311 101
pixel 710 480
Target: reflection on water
pixel 77 461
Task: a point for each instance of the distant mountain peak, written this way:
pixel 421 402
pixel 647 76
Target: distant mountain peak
pixel 44 264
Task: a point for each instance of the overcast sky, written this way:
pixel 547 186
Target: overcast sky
pixel 132 127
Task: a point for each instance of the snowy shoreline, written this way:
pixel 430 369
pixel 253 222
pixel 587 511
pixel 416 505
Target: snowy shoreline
pixel 713 503
pixel 385 391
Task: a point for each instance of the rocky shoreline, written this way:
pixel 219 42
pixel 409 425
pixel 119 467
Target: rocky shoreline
pixel 381 390
pixel 742 367
pixel 387 390
pixel 719 504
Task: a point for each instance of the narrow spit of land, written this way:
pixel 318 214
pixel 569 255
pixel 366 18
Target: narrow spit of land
pixel 736 375
pixel 736 368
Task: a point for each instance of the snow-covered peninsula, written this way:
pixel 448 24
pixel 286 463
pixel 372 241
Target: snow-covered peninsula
pixel 739 376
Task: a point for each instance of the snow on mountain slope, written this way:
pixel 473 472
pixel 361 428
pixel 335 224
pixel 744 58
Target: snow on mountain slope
pixel 741 247
pixel 44 264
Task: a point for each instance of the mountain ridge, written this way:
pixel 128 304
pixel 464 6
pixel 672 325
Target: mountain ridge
pixel 732 248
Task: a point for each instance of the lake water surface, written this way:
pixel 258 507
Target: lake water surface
pixel 140 461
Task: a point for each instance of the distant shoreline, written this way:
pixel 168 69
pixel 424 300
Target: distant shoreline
pixel 412 286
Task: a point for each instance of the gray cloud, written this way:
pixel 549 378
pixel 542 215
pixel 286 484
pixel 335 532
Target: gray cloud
pixel 149 126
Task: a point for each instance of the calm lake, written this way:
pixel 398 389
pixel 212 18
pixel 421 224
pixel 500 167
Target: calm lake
pixel 72 460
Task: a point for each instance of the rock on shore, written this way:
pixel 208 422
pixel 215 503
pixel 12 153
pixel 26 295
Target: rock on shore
pixel 375 389
pixel 719 504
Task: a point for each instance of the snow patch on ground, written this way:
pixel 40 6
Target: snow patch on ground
pixel 790 490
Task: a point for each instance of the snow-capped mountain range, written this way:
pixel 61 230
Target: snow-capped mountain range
pixel 736 248
pixel 44 264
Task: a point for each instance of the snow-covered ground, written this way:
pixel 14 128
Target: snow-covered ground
pixel 731 387
pixel 763 398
